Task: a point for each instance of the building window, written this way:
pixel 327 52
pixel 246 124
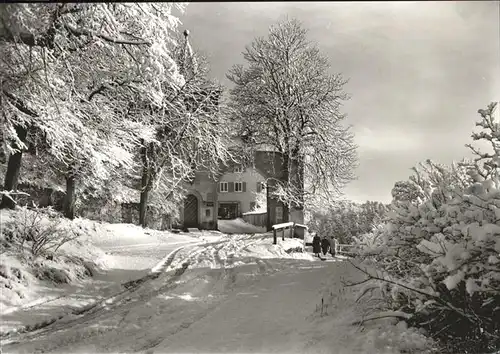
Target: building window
pixel 207 213
pixel 238 169
pixel 223 187
pixel 261 186
pixel 238 186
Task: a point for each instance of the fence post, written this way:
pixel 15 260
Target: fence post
pixel 283 235
pixel 275 241
pixel 291 230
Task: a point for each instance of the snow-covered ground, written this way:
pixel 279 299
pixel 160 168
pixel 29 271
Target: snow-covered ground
pixel 130 247
pixel 120 253
pixel 238 293
pixel 237 226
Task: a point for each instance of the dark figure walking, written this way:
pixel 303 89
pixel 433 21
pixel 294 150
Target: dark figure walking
pixel 325 245
pixel 333 246
pixel 316 245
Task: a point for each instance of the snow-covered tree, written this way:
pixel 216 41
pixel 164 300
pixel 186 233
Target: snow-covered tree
pixel 406 191
pixel 287 98
pixel 346 220
pixel 439 255
pixel 260 201
pixel 68 72
pixel 191 134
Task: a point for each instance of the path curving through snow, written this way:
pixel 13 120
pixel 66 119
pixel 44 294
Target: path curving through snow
pixel 131 253
pixel 224 299
pixel 239 294
pixel 257 307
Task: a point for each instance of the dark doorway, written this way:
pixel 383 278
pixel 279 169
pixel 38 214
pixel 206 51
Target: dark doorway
pixel 228 211
pixel 191 211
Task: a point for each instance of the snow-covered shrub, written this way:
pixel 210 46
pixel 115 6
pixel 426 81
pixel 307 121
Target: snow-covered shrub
pixel 38 228
pixel 40 245
pixel 101 209
pixel 369 242
pixel 438 256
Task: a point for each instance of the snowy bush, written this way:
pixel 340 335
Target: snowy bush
pixel 438 257
pixel 39 245
pixel 39 229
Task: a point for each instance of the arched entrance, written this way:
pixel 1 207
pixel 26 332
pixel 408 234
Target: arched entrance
pixel 191 211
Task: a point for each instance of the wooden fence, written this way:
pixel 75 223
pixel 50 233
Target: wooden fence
pixel 259 219
pixel 350 250
pixel 283 227
pixel 288 228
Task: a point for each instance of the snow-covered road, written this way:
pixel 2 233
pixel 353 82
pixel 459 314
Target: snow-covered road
pixel 226 300
pixel 265 314
pixel 259 307
pixel 239 294
pixel 128 256
pixel 130 251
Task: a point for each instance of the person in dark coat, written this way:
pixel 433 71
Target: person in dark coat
pixel 316 245
pixel 325 245
pixel 333 246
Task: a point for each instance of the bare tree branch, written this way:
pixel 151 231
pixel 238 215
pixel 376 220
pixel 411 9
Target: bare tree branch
pixel 85 32
pixel 20 105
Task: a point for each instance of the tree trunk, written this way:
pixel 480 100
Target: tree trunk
pixel 13 169
pixel 300 182
pixel 298 178
pixel 286 180
pixel 69 199
pixel 143 204
pixel 146 184
pixel 216 205
pixel 268 206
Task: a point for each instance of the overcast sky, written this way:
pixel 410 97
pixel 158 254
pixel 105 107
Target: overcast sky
pixel 418 71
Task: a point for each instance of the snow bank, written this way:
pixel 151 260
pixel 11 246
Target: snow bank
pixel 94 266
pixel 239 226
pixel 132 247
pixel 67 254
pixel 256 211
pixel 264 248
pixel 123 234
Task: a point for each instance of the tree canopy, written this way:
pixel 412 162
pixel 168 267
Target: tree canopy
pixel 286 98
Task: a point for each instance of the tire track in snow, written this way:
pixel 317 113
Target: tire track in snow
pixel 206 246
pixel 84 331
pixel 213 249
pixel 227 264
pixel 115 300
pixel 149 348
pixel 224 254
pixel 161 266
pixel 129 286
pixel 95 314
pixel 186 259
pixel 228 278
